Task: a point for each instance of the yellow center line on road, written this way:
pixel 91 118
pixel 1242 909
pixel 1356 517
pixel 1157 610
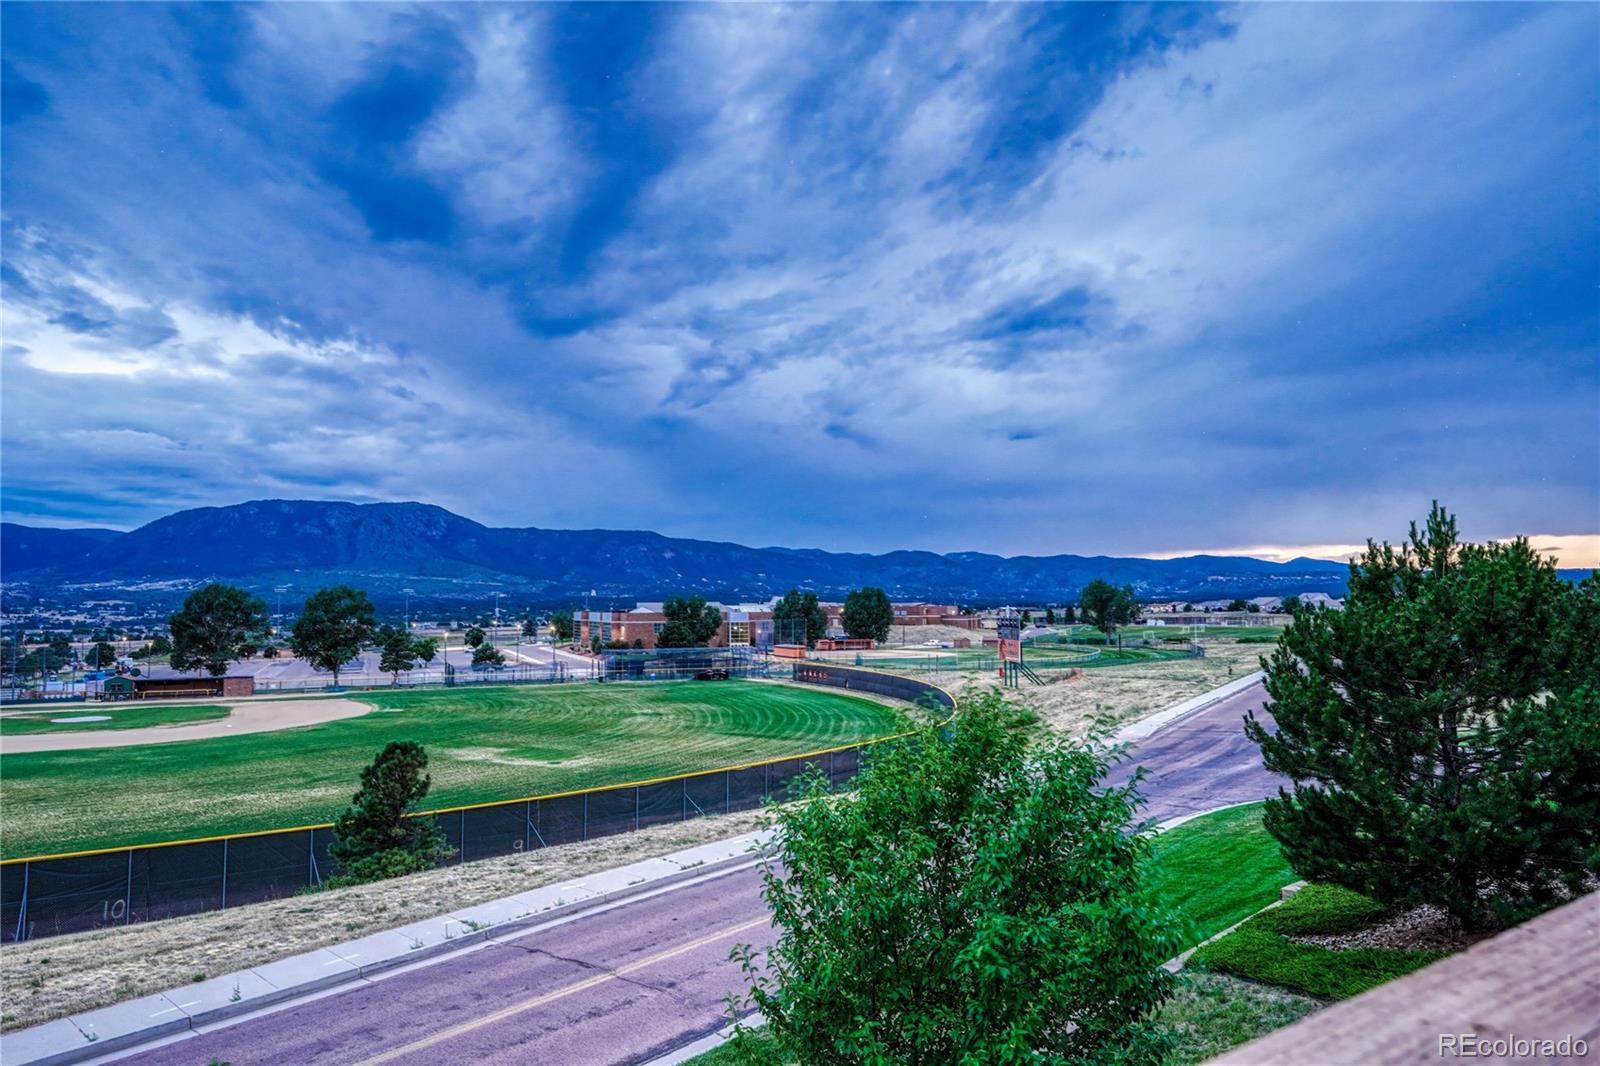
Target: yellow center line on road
pixel 561 993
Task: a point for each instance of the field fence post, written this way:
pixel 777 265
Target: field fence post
pixel 585 816
pixel 635 808
pixel 224 872
pixel 727 792
pixel 463 836
pixel 22 911
pixel 527 817
pixel 128 896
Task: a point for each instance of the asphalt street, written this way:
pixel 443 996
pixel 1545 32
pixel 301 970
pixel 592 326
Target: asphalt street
pixel 625 985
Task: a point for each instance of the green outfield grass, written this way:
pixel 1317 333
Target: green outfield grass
pixel 484 744
pixel 118 716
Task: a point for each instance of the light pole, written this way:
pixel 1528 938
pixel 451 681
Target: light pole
pixel 494 641
pixel 280 590
pixel 408 593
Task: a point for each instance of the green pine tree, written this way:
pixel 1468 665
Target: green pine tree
pixel 1442 730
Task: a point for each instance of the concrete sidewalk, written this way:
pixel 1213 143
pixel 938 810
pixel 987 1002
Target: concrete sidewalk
pixel 1151 724
pixel 101 1032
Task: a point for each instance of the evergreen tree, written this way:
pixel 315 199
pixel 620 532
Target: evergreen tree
pixel 374 837
pixel 1442 730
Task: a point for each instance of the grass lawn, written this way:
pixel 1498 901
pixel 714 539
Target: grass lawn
pixel 483 745
pixel 1261 951
pixel 1218 870
pixel 1211 1013
pixel 118 716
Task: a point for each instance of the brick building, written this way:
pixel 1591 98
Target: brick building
pixel 743 625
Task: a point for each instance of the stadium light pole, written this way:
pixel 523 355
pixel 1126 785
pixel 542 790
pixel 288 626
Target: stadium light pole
pixel 408 593
pixel 280 590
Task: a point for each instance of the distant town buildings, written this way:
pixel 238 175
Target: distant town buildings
pixel 744 624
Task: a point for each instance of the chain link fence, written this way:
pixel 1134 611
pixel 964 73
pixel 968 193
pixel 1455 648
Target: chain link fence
pixel 50 895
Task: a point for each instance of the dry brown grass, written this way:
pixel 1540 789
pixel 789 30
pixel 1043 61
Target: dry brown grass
pixel 45 979
pixel 1117 695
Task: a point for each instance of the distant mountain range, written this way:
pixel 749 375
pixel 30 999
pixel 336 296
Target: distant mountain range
pixel 388 547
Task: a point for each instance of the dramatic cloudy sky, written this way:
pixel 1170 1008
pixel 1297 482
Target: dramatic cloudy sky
pixel 1012 278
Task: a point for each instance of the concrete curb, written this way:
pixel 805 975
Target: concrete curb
pixel 121 1026
pixel 1152 724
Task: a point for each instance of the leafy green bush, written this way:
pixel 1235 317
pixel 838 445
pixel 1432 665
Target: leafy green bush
pixel 978 898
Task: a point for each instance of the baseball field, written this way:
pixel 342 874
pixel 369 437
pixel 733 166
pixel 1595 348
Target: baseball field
pixel 493 743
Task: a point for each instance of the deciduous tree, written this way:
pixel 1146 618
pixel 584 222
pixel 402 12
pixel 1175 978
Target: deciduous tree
pixel 397 652
pixel 333 627
pixel 977 899
pixel 867 614
pixel 798 616
pixel 1107 607
pixel 212 627
pixel 561 622
pixel 691 623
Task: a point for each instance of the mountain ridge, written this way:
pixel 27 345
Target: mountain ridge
pixel 388 546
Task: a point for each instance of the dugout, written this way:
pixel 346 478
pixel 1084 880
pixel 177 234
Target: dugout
pixel 174 688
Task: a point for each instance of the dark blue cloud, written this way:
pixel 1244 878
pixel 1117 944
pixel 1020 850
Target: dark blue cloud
pixel 686 246
pixel 371 126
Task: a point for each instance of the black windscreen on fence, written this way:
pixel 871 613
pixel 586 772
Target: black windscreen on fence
pixel 48 897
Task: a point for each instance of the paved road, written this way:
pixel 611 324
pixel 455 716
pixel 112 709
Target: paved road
pixel 1202 762
pixel 626 985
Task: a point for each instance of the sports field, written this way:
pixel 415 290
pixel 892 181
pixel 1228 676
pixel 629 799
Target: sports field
pixel 67 718
pixel 483 745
